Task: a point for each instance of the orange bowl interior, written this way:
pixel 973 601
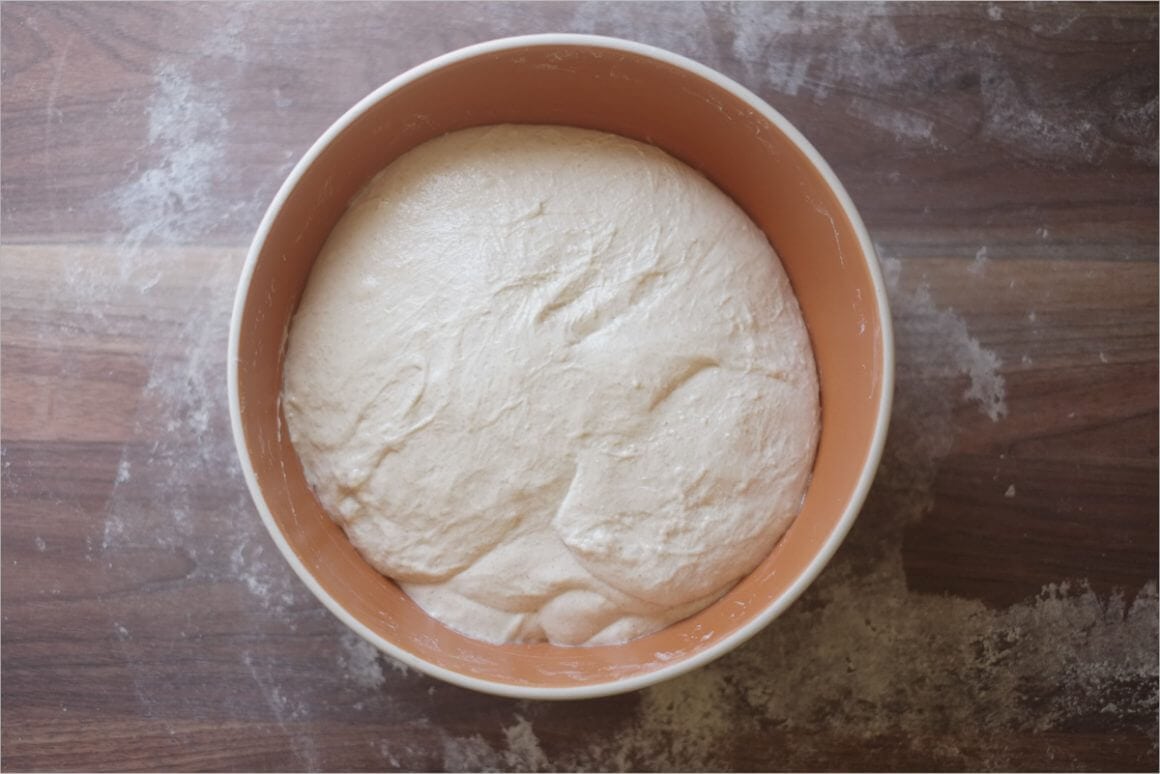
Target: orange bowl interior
pixel 638 97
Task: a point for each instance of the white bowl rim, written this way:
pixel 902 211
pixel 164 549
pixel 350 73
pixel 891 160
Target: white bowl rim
pixel 819 561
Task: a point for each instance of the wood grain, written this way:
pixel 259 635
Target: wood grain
pixel 993 608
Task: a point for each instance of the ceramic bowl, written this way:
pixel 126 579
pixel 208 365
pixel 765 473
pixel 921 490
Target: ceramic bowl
pixel 699 116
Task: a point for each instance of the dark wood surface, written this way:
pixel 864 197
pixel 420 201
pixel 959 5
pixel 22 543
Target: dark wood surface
pixel 995 606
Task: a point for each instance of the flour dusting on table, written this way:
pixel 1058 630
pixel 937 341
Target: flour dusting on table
pixel 860 660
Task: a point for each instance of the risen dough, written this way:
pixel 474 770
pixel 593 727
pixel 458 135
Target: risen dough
pixel 553 382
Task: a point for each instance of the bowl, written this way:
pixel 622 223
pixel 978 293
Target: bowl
pixel 697 115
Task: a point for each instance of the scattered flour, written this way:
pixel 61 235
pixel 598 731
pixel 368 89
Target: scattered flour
pixel 261 570
pixel 980 263
pixel 360 661
pixel 180 446
pixel 904 125
pixel 775 44
pixel 862 660
pixel 113 532
pixel 523 748
pixel 895 84
pixel 470 753
pixel 519 751
pixel 40 544
pixel 384 751
pixel 175 199
pixel 1033 130
pixel 683 28
pixel 951 343
pixel 398 667
pixel 1010 491
pixel 770 37
pixel 285 710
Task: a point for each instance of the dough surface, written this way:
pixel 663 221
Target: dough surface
pixel 553 382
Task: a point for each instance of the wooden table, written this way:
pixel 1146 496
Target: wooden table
pixel 996 603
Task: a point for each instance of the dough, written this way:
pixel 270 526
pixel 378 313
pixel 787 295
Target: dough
pixel 553 382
